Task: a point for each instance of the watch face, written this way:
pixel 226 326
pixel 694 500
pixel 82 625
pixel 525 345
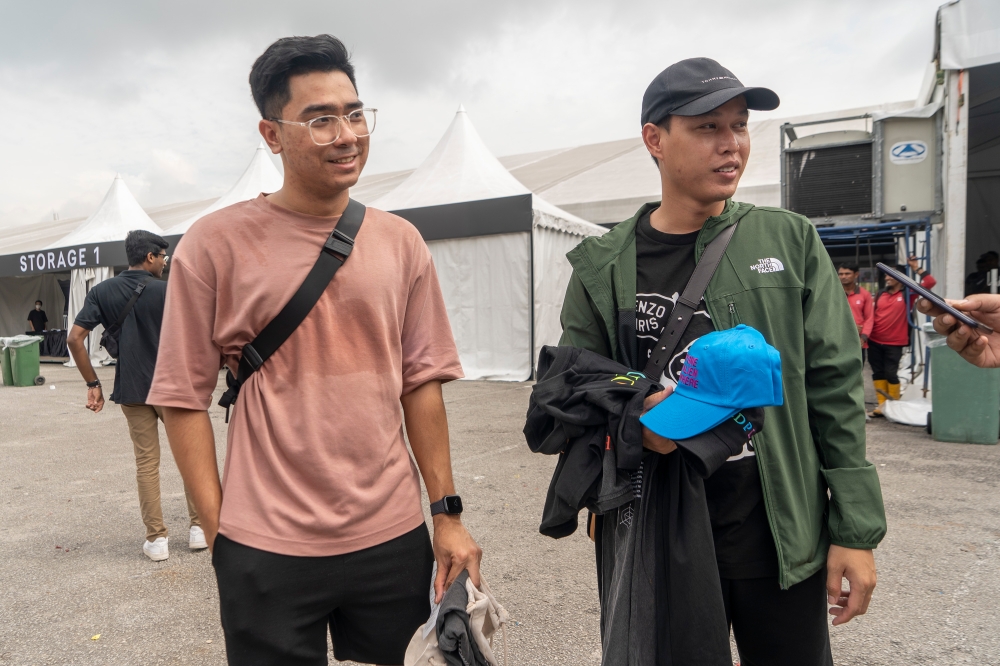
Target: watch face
pixel 453 504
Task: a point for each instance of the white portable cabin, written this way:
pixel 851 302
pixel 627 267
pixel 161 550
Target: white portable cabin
pixel 499 250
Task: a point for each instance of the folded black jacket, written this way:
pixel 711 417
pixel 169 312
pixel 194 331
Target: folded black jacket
pixel 661 600
pixel 586 409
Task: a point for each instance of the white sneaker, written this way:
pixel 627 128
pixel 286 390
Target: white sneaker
pixel 156 550
pixel 196 538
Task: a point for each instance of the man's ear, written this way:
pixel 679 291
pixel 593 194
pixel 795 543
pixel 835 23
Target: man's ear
pixel 269 132
pixel 652 136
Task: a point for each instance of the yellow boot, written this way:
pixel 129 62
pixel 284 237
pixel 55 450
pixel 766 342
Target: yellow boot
pixel 881 389
pixel 894 391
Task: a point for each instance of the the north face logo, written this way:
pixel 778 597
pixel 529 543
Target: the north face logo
pixel 768 266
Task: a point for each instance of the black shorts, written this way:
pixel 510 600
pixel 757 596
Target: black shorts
pixel 276 608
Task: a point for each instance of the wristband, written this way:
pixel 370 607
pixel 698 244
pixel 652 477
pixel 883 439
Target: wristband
pixel 94 384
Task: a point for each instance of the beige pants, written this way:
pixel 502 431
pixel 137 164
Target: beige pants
pixel 142 427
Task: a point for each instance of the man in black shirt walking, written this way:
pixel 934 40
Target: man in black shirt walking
pixel 140 337
pixel 37 320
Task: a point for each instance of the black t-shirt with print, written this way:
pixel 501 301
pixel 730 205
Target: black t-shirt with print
pixel 744 546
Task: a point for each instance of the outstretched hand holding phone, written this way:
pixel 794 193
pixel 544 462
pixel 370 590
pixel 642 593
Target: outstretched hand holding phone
pixel 975 346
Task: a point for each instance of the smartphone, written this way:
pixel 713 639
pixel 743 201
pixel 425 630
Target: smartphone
pixel 933 298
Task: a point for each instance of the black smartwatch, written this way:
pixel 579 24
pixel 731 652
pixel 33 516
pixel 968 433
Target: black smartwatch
pixel 94 384
pixel 450 504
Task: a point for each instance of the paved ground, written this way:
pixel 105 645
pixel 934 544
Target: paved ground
pixel 71 568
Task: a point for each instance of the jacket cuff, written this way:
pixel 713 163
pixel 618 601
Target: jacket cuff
pixel 856 515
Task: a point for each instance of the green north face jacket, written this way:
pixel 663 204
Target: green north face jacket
pixel 777 277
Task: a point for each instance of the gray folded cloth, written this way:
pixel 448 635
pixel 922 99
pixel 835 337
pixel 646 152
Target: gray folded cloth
pixel 453 631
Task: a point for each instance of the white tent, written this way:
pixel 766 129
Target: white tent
pixel 499 251
pixel 260 176
pixel 118 214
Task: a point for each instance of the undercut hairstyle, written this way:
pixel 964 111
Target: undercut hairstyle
pixel 851 267
pixel 292 56
pixel 139 243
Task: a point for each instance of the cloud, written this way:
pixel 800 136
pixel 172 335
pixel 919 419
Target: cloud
pixel 159 90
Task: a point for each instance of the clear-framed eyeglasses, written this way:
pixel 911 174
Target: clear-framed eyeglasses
pixel 325 130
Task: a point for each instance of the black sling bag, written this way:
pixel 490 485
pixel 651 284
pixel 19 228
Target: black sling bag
pixel 112 335
pixel 335 252
pixel 687 303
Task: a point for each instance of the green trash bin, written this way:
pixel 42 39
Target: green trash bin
pixel 8 377
pixel 24 362
pixel 965 400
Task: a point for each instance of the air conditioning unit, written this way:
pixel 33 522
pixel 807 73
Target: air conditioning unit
pixel 850 176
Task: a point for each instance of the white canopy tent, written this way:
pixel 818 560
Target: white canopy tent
pixel 260 176
pixel 499 251
pixel 117 214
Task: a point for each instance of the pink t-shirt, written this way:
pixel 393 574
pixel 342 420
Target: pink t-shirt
pixel 316 463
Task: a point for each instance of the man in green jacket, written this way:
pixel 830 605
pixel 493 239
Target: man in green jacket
pixel 800 509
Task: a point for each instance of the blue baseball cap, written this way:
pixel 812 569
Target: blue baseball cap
pixel 724 372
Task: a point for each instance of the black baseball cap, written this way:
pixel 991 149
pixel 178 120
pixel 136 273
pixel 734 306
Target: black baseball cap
pixel 695 86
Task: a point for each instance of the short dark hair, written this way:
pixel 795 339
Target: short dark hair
pixel 140 243
pixel 39 302
pixel 288 57
pixel 901 268
pixel 851 267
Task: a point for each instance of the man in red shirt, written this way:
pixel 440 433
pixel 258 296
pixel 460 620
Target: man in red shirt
pixel 861 304
pixel 891 332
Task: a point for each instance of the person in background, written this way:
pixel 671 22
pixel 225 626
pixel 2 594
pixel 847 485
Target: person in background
pixel 137 347
pixel 891 333
pixel 37 321
pixel 978 281
pixel 862 306
pixel 977 347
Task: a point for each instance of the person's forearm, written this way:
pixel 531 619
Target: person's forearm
pixel 75 343
pixel 427 430
pixel 192 441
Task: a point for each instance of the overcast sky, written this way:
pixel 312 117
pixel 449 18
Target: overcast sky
pixel 158 90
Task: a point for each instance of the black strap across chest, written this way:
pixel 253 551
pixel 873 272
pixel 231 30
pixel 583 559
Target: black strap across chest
pixel 687 303
pixel 136 293
pixel 335 252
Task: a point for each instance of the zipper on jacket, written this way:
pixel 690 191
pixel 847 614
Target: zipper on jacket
pixel 734 315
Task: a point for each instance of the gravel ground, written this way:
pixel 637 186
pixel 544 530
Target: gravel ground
pixel 70 538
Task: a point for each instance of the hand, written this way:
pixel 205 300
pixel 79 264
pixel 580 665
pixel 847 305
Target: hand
pixel 864 338
pixel 95 399
pixel 650 440
pixel 975 346
pixel 914 263
pixel 858 567
pixel 454 550
pixel 211 530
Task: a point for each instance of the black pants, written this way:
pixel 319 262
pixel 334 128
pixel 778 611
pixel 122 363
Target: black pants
pixel 884 360
pixel 276 608
pixel 775 627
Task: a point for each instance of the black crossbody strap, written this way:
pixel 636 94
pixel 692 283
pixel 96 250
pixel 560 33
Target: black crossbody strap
pixel 131 302
pixel 335 252
pixel 687 303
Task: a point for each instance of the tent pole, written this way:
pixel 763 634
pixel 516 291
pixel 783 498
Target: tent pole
pixel 531 291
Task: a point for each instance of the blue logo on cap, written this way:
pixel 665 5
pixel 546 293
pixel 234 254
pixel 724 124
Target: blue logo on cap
pixel 724 373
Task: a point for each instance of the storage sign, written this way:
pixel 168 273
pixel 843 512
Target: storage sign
pixel 908 152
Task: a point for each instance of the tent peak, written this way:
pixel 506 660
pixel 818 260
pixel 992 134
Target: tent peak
pixel 461 108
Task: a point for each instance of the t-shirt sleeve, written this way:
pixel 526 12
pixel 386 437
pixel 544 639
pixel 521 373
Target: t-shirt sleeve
pixel 89 316
pixel 188 360
pixel 429 351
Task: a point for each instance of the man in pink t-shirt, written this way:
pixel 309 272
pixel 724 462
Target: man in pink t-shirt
pixel 316 524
